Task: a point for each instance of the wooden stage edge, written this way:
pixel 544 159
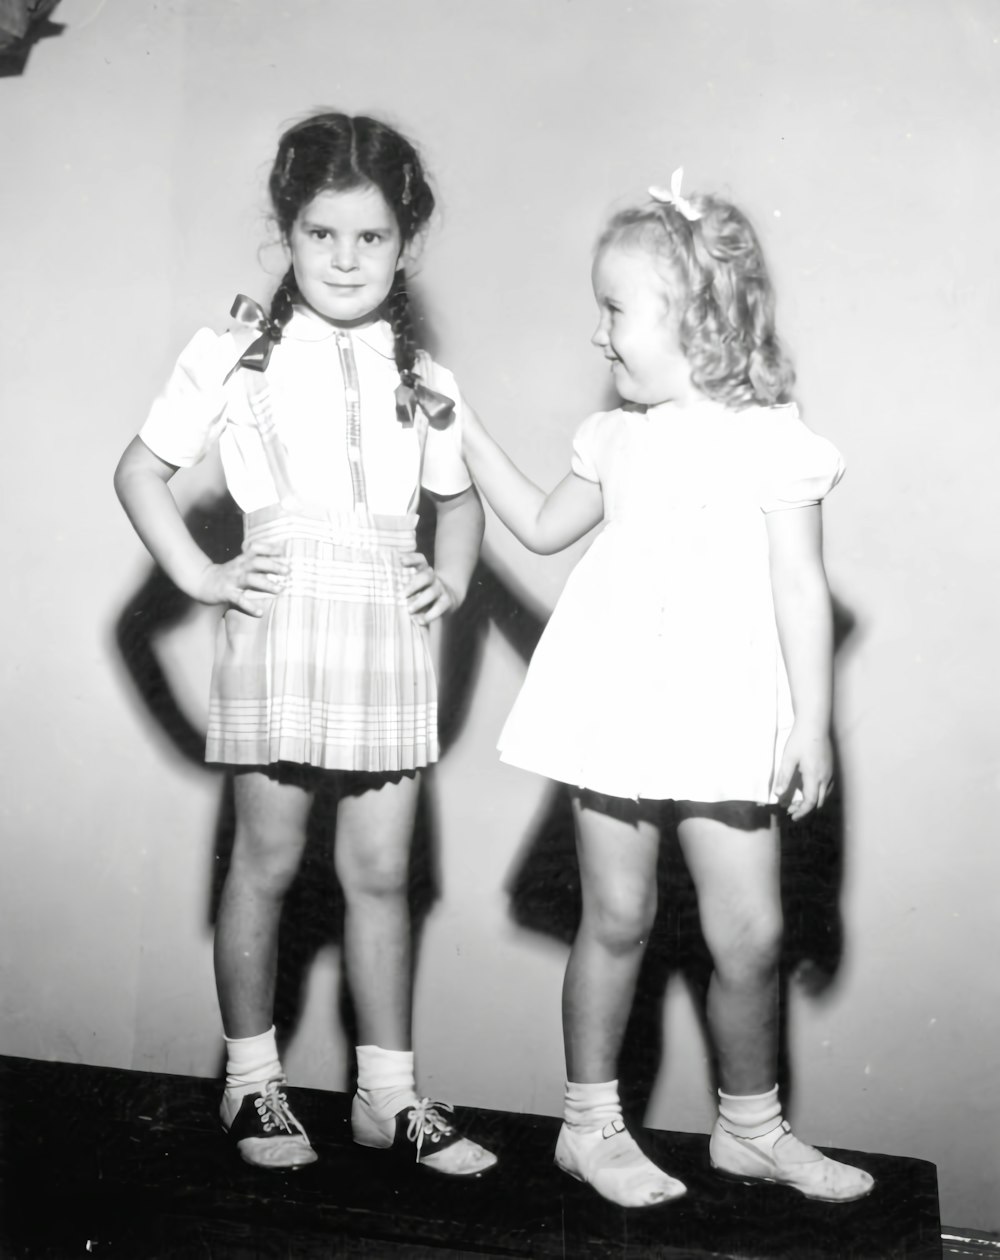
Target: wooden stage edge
pixel 104 1162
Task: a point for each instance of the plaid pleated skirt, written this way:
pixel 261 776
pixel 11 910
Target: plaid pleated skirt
pixel 335 674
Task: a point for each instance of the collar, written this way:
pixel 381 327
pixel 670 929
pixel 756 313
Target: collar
pixel 306 325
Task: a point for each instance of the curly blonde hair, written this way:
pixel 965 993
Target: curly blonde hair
pixel 726 327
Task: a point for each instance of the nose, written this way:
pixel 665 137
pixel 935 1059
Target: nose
pixel 345 256
pixel 600 337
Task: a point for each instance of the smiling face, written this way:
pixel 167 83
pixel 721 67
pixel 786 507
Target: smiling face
pixel 345 249
pixel 638 329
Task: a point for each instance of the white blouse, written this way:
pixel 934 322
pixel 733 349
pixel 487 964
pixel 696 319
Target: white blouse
pixel 199 406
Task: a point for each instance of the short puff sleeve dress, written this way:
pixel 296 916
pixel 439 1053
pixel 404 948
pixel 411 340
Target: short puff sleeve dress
pixel 660 675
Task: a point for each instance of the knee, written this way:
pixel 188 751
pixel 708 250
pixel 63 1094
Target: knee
pixel 265 858
pixel 375 875
pixel 747 947
pixel 619 923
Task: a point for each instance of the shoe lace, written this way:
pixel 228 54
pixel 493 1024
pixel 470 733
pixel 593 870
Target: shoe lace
pixel 274 1111
pixel 426 1121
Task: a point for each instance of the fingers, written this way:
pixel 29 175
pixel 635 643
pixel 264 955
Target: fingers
pixel 813 793
pixel 427 596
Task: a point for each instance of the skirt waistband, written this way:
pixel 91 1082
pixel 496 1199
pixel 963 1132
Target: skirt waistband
pixel 366 532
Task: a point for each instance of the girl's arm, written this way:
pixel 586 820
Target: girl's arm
pixel 141 484
pixel 458 534
pixel 542 522
pixel 805 629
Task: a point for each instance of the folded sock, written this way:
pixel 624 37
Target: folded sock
pixel 588 1106
pixel 750 1115
pixel 251 1062
pixel 385 1079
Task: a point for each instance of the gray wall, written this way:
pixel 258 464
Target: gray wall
pixel 861 137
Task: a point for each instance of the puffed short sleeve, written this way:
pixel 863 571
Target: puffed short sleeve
pixel 798 467
pixel 444 471
pixel 189 413
pixel 587 443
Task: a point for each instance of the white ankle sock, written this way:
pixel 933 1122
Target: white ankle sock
pixel 251 1062
pixel 591 1106
pixel 750 1115
pixel 385 1079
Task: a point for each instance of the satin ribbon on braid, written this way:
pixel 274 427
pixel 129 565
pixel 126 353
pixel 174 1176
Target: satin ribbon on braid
pixel 438 408
pixel 252 315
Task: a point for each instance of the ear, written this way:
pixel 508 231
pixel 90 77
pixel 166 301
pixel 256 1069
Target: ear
pixel 411 252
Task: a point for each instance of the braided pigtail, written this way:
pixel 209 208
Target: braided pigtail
pixel 400 317
pixel 284 300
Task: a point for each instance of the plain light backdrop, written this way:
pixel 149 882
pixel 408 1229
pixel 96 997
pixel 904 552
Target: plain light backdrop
pixel 861 137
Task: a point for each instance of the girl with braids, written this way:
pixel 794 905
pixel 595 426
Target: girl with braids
pixel 329 422
pixel 685 675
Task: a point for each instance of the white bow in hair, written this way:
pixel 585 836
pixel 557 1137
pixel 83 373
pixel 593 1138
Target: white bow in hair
pixel 672 197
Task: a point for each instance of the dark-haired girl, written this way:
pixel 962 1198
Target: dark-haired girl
pixel 329 422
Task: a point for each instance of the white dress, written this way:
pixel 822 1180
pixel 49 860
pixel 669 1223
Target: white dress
pixel 660 675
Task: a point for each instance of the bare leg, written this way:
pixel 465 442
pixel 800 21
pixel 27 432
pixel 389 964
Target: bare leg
pixel 733 855
pixel 732 852
pixel 618 878
pixel 617 856
pixel 270 836
pixel 374 832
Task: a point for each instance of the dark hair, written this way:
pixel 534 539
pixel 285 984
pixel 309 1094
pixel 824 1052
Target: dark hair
pixel 338 152
pixel 727 328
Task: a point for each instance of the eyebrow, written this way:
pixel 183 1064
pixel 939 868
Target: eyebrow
pixel 326 227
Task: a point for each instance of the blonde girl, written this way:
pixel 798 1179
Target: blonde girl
pixel 685 674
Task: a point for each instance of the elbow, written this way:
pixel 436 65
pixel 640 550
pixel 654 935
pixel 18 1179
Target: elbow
pixel 120 481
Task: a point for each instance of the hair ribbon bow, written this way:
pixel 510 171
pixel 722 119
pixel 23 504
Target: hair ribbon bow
pixel 438 408
pixel 672 197
pixel 252 315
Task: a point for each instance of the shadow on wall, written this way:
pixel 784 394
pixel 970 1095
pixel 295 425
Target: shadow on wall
pixel 543 885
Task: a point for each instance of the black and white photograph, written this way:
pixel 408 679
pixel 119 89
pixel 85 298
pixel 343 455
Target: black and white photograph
pixel 501 735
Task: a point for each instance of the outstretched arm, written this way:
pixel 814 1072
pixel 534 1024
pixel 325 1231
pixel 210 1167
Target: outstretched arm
pixel 542 522
pixel 141 483
pixel 805 630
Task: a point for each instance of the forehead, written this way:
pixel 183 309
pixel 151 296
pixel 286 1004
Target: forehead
pixel 629 270
pixel 348 208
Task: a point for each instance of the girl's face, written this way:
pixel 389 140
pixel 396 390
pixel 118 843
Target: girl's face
pixel 638 328
pixel 345 248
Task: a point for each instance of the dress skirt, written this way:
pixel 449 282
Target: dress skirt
pixel 335 674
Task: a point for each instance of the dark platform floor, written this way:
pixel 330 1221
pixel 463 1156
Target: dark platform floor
pixel 128 1165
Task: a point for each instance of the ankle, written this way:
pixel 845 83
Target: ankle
pixel 751 1115
pixel 386 1081
pixel 251 1062
pixel 588 1106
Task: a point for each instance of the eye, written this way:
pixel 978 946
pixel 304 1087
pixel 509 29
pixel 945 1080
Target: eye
pixel 319 234
pixel 371 238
